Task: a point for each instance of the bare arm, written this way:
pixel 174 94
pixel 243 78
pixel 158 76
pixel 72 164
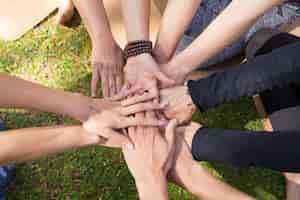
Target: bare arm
pixel 18 93
pixel 156 186
pixel 95 19
pixel 176 18
pixel 107 57
pixel 28 144
pixel 136 15
pixel 235 20
pixel 192 176
pixel 205 186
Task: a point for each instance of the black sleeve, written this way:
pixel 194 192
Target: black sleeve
pixel 275 69
pixel 275 150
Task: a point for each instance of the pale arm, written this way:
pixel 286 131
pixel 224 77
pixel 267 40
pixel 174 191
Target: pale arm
pixel 205 186
pixel 155 186
pixel 176 19
pixel 107 56
pixel 95 19
pixel 229 26
pixel 136 15
pixel 28 144
pixel 195 178
pixel 18 93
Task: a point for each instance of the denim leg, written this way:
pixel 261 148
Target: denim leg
pixel 7 173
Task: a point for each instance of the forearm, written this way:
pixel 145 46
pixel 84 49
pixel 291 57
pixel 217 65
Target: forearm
pixel 18 93
pixel 275 150
pixel 28 144
pixel 195 178
pixel 229 26
pixel 155 187
pixel 204 185
pixel 279 68
pixel 176 19
pixel 95 19
pixel 136 15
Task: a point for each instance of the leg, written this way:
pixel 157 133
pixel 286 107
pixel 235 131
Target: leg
pixel 7 173
pixel 65 11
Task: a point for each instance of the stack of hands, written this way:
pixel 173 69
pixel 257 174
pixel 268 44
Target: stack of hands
pixel 142 118
pixel 154 146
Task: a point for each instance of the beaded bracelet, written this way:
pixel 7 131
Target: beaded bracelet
pixel 137 47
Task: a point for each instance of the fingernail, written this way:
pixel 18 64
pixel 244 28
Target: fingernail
pixel 129 146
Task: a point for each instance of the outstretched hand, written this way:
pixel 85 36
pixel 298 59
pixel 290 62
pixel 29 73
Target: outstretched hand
pixel 142 74
pixel 108 124
pixel 179 103
pixel 153 151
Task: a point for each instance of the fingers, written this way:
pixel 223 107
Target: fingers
pixel 125 92
pixel 163 79
pixel 154 92
pixel 116 139
pixel 170 132
pixel 141 107
pixel 121 95
pixel 119 82
pixel 112 83
pixel 147 96
pixel 95 79
pixel 105 82
pixel 128 122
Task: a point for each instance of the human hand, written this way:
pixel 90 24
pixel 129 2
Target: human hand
pixel 176 73
pixel 143 74
pixel 109 123
pixel 153 152
pixel 107 62
pixel 180 104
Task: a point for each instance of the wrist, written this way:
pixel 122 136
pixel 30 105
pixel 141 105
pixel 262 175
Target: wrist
pixel 162 54
pixel 181 67
pixel 79 137
pixel 78 107
pixel 140 57
pixel 153 186
pixel 190 132
pixel 101 39
pixel 138 47
pixel 87 139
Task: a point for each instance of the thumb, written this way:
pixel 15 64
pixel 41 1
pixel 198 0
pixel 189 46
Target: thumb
pixel 117 139
pixel 170 132
pixel 164 79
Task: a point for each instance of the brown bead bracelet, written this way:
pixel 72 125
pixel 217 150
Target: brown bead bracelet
pixel 137 47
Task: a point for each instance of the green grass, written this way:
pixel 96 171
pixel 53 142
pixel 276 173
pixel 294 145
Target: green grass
pixel 58 57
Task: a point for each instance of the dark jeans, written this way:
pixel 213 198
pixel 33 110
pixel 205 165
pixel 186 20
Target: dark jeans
pixel 7 173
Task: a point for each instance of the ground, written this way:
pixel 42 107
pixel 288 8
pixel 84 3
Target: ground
pixel 58 57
